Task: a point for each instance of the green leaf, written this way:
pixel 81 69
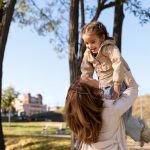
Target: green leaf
pixel 1 4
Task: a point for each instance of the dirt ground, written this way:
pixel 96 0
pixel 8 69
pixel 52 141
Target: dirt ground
pixel 136 146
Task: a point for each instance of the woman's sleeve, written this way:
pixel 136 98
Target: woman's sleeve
pixel 114 55
pixel 127 99
pixel 87 68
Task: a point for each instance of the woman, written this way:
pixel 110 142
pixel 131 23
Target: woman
pixel 95 120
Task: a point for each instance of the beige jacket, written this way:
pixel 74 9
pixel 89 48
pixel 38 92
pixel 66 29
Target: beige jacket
pixel 112 135
pixel 108 64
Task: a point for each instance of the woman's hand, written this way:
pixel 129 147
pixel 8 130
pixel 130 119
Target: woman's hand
pixel 91 82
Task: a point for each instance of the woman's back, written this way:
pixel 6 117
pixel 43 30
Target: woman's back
pixel 97 121
pixel 112 135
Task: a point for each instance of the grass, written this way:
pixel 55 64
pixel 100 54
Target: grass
pixel 16 138
pixel 32 127
pixel 15 141
pixel 36 143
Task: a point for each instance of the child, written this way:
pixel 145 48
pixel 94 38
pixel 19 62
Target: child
pixel 103 56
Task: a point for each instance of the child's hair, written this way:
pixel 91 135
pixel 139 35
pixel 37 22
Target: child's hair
pixel 96 28
pixel 83 111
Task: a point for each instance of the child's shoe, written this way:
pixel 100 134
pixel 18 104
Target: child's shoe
pixel 145 134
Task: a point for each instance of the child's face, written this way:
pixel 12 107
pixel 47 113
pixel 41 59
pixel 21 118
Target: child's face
pixel 92 42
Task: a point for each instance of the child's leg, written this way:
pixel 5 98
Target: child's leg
pixel 136 129
pixel 132 125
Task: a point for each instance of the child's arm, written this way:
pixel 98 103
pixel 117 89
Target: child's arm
pixel 87 69
pixel 116 92
pixel 113 53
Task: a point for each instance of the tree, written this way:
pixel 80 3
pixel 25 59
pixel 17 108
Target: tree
pixel 73 38
pixel 118 22
pixel 50 19
pixel 135 7
pixel 6 12
pixel 44 19
pixel 8 97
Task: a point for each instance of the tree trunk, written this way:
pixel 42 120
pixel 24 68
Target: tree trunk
pixel 82 45
pixel 73 46
pixel 5 21
pixel 9 117
pixel 73 39
pixel 118 21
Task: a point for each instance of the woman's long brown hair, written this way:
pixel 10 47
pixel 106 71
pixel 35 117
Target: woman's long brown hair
pixel 83 111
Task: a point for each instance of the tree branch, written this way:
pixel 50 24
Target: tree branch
pixel 138 11
pixel 115 3
pixel 41 12
pixel 98 10
pixel 101 5
pixel 82 13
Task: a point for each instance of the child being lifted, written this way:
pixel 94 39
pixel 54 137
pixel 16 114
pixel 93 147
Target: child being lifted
pixel 103 57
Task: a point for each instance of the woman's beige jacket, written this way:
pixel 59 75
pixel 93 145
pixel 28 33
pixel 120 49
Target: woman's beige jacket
pixel 108 64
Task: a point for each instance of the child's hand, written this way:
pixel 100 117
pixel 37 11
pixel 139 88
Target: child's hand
pixel 115 95
pixel 116 92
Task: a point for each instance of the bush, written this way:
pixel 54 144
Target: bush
pixel 52 116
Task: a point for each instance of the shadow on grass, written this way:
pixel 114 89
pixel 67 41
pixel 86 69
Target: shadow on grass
pixel 36 143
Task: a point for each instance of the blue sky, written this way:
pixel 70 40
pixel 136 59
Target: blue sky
pixel 31 64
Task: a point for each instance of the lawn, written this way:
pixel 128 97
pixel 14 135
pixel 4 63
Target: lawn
pixel 33 127
pixel 29 136
pixel 36 143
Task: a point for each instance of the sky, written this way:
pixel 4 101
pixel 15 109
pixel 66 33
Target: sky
pixel 32 65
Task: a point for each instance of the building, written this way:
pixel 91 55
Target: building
pixel 52 108
pixel 29 104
